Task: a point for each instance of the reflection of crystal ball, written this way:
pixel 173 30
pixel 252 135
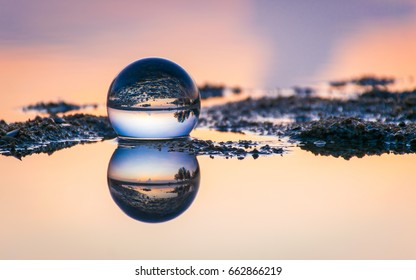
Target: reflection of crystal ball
pixel 153 98
pixel 151 184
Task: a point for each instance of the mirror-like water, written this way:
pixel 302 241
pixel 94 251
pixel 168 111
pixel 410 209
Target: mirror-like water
pixel 295 206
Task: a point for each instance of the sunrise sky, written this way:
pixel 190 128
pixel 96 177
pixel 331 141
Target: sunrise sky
pixel 53 50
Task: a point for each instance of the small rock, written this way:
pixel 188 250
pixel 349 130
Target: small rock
pixel 13 133
pixel 277 150
pixel 319 143
pixel 59 120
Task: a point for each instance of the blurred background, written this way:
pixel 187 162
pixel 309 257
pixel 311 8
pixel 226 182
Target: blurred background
pixel 73 49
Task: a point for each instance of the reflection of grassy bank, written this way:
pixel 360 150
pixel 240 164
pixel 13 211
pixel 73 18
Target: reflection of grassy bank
pixel 348 137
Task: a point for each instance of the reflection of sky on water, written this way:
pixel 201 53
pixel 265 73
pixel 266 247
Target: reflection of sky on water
pixel 73 50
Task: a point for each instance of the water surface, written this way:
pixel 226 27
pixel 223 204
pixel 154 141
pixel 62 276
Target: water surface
pixel 295 206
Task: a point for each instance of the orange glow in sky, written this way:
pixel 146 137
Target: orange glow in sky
pixel 386 48
pixel 55 50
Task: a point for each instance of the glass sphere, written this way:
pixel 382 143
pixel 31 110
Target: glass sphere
pixel 150 183
pixel 153 98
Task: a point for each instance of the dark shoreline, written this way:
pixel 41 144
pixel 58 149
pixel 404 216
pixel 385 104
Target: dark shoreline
pixel 374 123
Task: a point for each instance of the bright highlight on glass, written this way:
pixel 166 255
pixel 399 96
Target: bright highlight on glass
pixel 153 98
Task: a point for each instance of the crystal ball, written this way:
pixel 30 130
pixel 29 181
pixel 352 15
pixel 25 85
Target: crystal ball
pixel 150 183
pixel 153 98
